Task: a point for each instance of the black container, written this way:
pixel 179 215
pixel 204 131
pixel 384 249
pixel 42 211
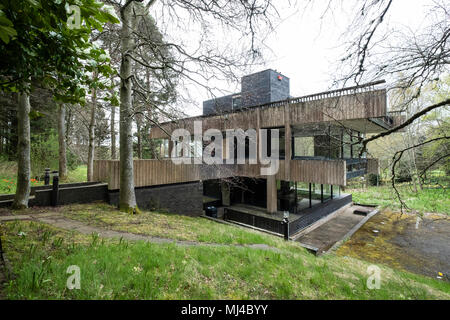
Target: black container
pixel 211 211
pixel 285 204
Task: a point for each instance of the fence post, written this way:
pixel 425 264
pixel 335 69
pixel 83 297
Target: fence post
pixel 285 224
pixel 55 190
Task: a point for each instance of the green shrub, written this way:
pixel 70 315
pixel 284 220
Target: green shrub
pixel 402 174
pixel 44 152
pixel 73 161
pixel 374 179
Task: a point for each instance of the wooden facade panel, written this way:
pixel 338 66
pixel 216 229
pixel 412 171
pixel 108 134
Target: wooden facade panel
pixel 271 117
pixel 319 171
pixel 362 105
pixel 159 172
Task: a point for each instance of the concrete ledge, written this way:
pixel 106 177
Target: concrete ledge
pixel 309 247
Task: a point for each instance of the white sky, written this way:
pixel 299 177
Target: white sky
pixel 306 48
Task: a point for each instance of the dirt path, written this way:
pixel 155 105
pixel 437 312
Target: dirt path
pixel 57 220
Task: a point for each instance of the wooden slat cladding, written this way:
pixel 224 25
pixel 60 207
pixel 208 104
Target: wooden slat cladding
pixel 358 106
pixel 362 105
pixel 319 171
pixel 398 120
pixel 159 172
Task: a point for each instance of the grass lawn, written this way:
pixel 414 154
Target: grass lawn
pixel 8 177
pixel 167 225
pixel 430 199
pixel 164 225
pixel 113 269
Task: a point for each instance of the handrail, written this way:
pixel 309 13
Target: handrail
pixel 322 95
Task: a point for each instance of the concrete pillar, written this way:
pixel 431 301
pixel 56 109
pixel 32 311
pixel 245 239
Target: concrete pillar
pixel 271 194
pixel 226 194
pixel 287 143
pixel 258 137
pixel 171 144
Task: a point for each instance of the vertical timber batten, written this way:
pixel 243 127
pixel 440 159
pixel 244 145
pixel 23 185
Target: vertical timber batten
pixel 150 172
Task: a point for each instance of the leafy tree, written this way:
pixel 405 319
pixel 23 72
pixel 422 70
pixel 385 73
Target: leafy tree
pixel 39 45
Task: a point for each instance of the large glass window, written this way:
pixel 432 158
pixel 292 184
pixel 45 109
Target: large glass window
pixel 303 146
pixel 326 192
pixel 164 148
pixel 236 102
pixel 281 142
pixel 317 140
pixel 347 147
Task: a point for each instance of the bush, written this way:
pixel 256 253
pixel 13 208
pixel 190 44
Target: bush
pixel 402 174
pixel 374 179
pixel 73 161
pixel 44 152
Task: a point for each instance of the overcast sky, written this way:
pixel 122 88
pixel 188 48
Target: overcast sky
pixel 306 48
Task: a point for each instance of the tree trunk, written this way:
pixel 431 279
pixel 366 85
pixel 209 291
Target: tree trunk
pixel 91 150
pixel 62 142
pixel 23 153
pixel 139 136
pixel 67 122
pixel 127 198
pixel 113 133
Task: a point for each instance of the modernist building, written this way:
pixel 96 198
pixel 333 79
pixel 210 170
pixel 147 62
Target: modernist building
pixel 319 139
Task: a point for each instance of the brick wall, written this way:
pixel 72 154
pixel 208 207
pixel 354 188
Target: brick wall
pixel 182 198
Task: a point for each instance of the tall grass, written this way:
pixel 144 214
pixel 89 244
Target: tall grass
pixel 139 270
pixel 434 197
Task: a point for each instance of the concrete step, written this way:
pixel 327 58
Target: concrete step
pixel 336 230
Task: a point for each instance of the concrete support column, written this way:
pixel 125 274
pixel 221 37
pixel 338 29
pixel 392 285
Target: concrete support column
pixel 271 194
pixel 171 144
pixel 287 143
pixel 258 136
pixel 226 193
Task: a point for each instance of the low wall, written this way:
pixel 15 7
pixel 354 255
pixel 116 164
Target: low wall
pixel 308 216
pixel 68 194
pixel 81 192
pixel 317 212
pixel 180 198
